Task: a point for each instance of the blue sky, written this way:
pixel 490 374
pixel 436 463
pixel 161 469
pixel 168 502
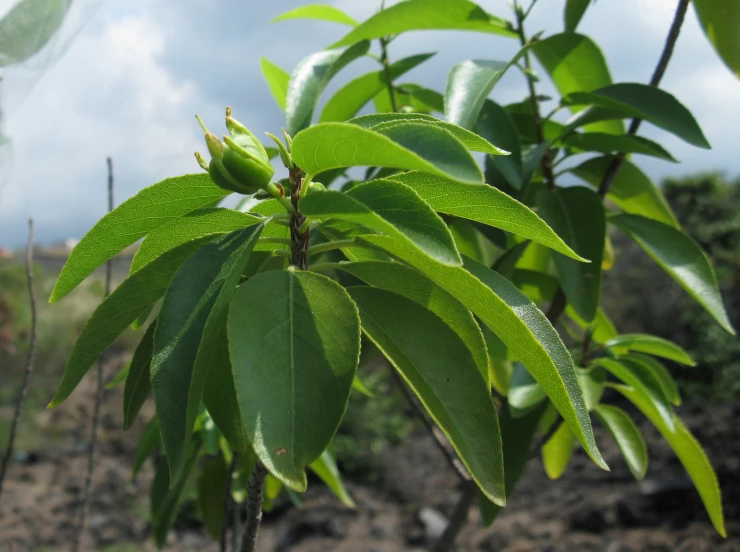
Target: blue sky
pixel 131 83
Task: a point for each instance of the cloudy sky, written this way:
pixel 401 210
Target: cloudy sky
pixel 130 84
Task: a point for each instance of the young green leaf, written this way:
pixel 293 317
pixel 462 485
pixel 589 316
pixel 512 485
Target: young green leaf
pixel 211 484
pixel 495 125
pixel 661 373
pixel 359 386
pixel 193 313
pixel 577 215
pixel 119 378
pixel 309 79
pixel 148 443
pixel 574 11
pixel 294 343
pixel 681 257
pixel 647 103
pixel 134 219
pixel 326 468
pixel 421 147
pixel 689 452
pixel 277 79
pixel 524 392
pixel 519 324
pixel 615 143
pixel 28 27
pixel 602 329
pixel 558 451
pixel 391 208
pixel 720 20
pixel 419 15
pixel 485 204
pixel 440 369
pixel 137 387
pixel 652 345
pixel 591 381
pixel 628 437
pixel 318 11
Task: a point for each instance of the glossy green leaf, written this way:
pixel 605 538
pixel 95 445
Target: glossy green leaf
pixel 211 490
pixel 524 391
pixel 495 125
pixel 689 452
pixel 137 387
pixel 485 204
pixel 681 257
pixel 28 27
pixel 132 220
pixel 423 147
pixel 720 20
pixel 591 381
pixel 277 80
pixel 321 12
pixel 603 142
pixel 310 78
pixel 517 322
pixel 326 468
pixel 628 437
pixel 148 443
pixel 193 314
pixel 349 99
pixel 647 103
pixel 652 345
pixel 293 365
pixel 557 452
pixel 441 370
pixel 602 329
pixel 538 286
pixel 577 215
pixel 469 241
pixel 631 189
pixel 574 11
pixel 420 15
pixel 661 373
pixel 116 313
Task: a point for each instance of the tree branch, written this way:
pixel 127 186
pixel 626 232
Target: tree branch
pixel 228 503
pixel 254 508
pixel 459 518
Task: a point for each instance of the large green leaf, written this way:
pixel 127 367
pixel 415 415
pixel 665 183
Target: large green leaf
pixel 419 15
pixel 720 20
pixel 517 322
pixel 309 79
pixel 681 257
pixel 294 342
pixel 441 370
pixel 28 27
pixel 421 146
pixel 211 490
pixel 132 220
pixel 631 189
pixel 557 452
pixel 603 142
pixel 389 207
pixel 148 443
pixel 496 126
pixel 574 10
pixel 193 314
pixel 577 215
pixel 321 12
pixel 138 387
pixel 652 345
pixel 136 294
pixel 628 437
pixel 277 79
pixel 647 103
pixel 689 452
pixel 355 94
pixel 326 468
pixel 484 204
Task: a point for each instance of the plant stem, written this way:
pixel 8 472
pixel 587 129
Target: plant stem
pixel 228 503
pixel 254 508
pixel 660 68
pixel 387 71
pixel 299 236
pixel 30 360
pixel 459 518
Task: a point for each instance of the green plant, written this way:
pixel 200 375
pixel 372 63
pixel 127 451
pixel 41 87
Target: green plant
pixel 255 348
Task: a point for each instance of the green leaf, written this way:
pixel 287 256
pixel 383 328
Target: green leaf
pixel 575 64
pixel 293 365
pixel 689 452
pixel 137 387
pixel 614 143
pixel 419 15
pixel 28 27
pixel 628 437
pixel 538 286
pixel 661 373
pixel 485 204
pixel 193 314
pixel 472 141
pixel 410 283
pixel 132 220
pixel 681 257
pixel 441 370
pixel 359 386
pixel 310 78
pixel 119 378
pixel 355 94
pixel 495 125
pixel 574 10
pixel 557 452
pixel 631 190
pixel 277 79
pixel 720 20
pixel 391 208
pixel 647 103
pixel 422 147
pixel 602 329
pixel 148 443
pixel 326 468
pixel 577 215
pixel 524 392
pixel 517 322
pixel 318 11
pixel 591 381
pixel 203 222
pixel 137 293
pixel 211 490
pixel 245 464
pixel 652 345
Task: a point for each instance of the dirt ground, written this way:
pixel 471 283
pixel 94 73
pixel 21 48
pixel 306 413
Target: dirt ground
pixel 586 510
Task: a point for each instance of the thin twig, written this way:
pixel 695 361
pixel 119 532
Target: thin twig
pixel 459 518
pixel 85 502
pixel 387 72
pixel 254 508
pixel 30 360
pixel 228 503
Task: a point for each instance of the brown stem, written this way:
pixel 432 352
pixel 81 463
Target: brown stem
pixel 459 518
pixel 254 508
pixel 30 360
